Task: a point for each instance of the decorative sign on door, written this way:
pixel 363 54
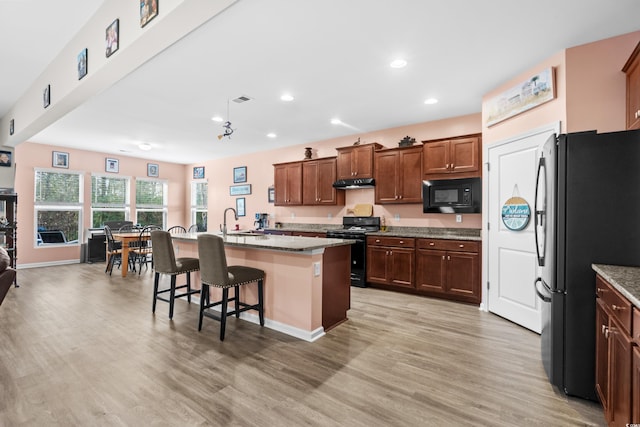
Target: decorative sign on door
pixel 516 212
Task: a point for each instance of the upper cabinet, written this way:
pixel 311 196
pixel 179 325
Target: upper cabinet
pixel 356 161
pixel 318 177
pixel 452 157
pixel 288 184
pixel 632 70
pixel 398 175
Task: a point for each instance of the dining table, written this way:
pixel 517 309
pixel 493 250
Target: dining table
pixel 127 237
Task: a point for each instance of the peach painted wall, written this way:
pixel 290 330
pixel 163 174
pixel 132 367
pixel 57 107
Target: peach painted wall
pixel 596 86
pixel 30 156
pixel 260 175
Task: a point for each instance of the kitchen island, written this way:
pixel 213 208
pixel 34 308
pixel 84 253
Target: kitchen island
pixel 307 284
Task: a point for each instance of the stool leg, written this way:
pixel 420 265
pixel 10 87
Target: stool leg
pixel 237 301
pixel 204 295
pixel 261 301
pixel 172 295
pixel 155 292
pixel 189 288
pixel 223 314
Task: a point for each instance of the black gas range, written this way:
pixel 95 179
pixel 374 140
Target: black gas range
pixel 355 228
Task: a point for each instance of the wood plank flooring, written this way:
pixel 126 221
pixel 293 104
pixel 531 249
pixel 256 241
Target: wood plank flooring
pixel 81 348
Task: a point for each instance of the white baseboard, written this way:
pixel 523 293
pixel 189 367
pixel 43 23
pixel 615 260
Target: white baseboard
pixel 47 264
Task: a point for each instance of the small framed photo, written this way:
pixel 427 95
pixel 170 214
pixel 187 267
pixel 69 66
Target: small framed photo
pixel 271 194
pixel 152 169
pixel 240 206
pixel 11 127
pixel 240 174
pixel 5 158
pixel 239 190
pixel 112 38
pixel 82 63
pixel 60 160
pixel 198 172
pixel 46 96
pixel 112 165
pixel 148 11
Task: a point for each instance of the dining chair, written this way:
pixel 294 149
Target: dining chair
pixel 114 250
pixel 143 250
pixel 176 229
pixel 193 228
pixel 215 272
pixel 165 262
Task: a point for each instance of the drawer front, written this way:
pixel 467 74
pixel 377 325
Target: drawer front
pixel 449 245
pixel 399 242
pixel 616 303
pixel 636 325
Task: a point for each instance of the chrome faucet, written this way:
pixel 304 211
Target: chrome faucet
pixel 223 227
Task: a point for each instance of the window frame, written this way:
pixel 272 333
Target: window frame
pixel 164 209
pixel 106 207
pixel 195 208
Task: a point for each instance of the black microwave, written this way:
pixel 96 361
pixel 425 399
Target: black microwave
pixel 452 195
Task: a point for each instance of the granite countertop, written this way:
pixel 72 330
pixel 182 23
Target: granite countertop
pixel 272 242
pixel 625 279
pixel 416 232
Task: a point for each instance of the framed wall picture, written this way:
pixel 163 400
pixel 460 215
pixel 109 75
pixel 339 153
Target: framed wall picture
pixel 152 169
pixel 5 158
pixel 11 127
pixel 46 96
pixel 112 38
pixel 239 190
pixel 240 174
pixel 198 172
pixel 271 194
pixel 240 206
pixel 148 11
pixel 112 165
pixel 60 160
pixel 82 63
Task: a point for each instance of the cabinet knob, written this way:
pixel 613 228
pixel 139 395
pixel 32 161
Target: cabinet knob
pixel 606 333
pixel 451 165
pixel 443 257
pixel 402 242
pixel 447 166
pixel 461 246
pixel 617 307
pixel 604 328
pixel 448 257
pixel 377 240
pixel 432 244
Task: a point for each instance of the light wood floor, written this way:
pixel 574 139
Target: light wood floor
pixel 80 348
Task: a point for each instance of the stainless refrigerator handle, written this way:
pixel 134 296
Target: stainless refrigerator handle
pixel 538 215
pixel 535 285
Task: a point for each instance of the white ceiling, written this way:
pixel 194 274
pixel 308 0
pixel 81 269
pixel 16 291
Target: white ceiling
pixel 333 56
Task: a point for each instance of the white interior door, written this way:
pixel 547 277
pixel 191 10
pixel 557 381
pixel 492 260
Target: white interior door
pixel 512 260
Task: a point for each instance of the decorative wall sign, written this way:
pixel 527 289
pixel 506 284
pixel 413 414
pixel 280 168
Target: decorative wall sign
pixel 527 95
pixel 240 174
pixel 239 190
pixel 271 194
pixel 5 158
pixel 82 63
pixel 148 11
pixel 60 160
pixel 11 127
pixel 112 165
pixel 516 213
pixel 240 206
pixel 198 172
pixel 46 96
pixel 152 169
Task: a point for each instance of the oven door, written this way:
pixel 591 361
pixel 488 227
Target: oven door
pixel 358 255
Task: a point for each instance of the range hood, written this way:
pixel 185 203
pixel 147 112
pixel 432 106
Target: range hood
pixel 354 184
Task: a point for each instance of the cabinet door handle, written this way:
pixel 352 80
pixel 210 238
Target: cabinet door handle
pixel 377 240
pixel 604 328
pixel 448 258
pixel 431 244
pixel 443 257
pixel 402 242
pixel 451 165
pixel 461 246
pixel 447 166
pixel 617 307
pixel 606 332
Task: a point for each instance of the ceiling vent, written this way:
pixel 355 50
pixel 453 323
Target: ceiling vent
pixel 241 99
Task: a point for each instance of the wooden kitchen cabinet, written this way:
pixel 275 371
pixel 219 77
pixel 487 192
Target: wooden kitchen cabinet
pixel 452 157
pixel 398 173
pixel 318 177
pixel 615 394
pixel 449 269
pixel 309 233
pixel 391 261
pixel 635 368
pixel 632 70
pixel 288 184
pixel 356 161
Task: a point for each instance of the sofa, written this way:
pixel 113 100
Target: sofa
pixel 7 274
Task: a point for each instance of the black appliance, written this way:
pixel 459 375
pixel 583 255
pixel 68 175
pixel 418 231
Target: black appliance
pixel 462 195
pixel 586 211
pixel 354 183
pixel 355 228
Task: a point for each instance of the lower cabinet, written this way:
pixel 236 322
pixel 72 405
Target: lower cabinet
pixel 390 261
pixel 449 269
pixel 614 354
pixel 635 369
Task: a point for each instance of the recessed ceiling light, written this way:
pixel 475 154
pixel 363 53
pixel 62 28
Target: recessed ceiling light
pixel 271 135
pixel 430 101
pixel 217 118
pixel 144 146
pixel 398 63
pixel 336 121
pixel 286 97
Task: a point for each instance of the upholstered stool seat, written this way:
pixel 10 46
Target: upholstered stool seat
pixel 215 272
pixel 165 262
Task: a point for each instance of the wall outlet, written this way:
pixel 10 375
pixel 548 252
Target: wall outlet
pixel 329 215
pixel 396 217
pixel 316 269
pixel 458 218
pixel 293 214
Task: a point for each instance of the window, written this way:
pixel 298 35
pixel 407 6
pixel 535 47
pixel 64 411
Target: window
pixel 109 199
pixel 199 202
pixel 151 206
pixel 57 207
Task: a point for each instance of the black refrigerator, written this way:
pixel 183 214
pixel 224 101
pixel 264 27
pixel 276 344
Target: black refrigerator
pixel 587 210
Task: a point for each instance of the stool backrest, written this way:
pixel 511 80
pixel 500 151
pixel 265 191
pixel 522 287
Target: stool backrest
pixel 213 260
pixel 164 257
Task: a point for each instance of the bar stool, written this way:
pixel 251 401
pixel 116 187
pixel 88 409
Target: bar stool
pixel 215 272
pixel 165 262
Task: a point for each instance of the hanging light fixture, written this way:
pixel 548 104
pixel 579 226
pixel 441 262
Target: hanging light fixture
pixel 226 126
